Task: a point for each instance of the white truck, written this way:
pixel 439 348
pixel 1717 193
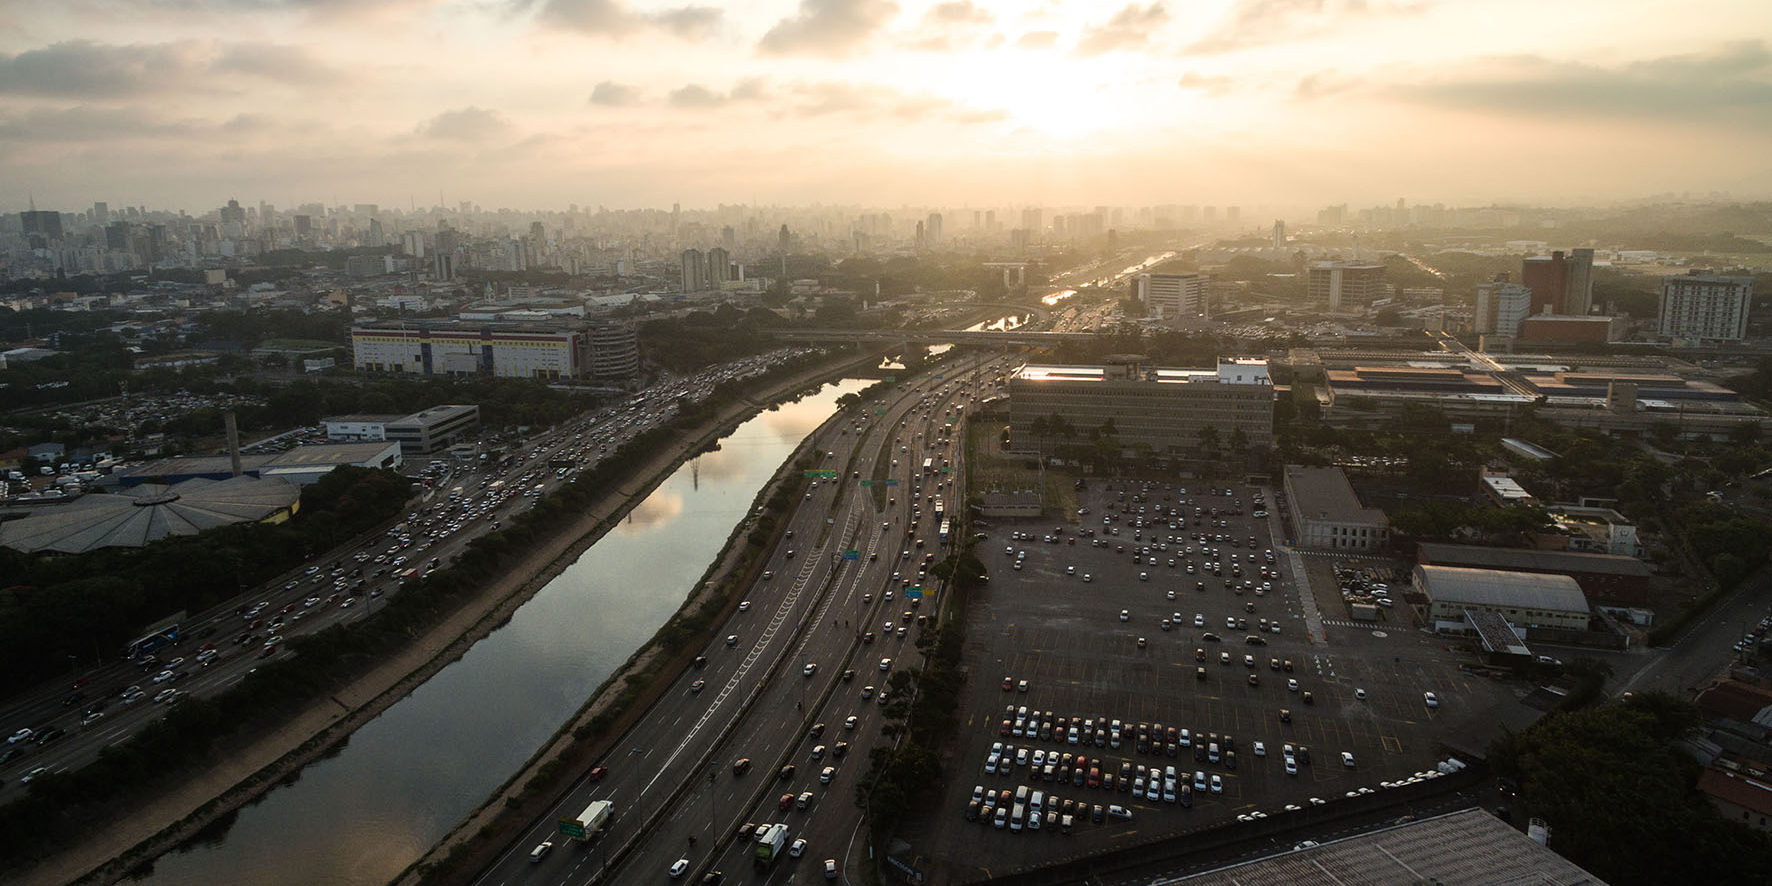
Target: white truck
pixel 771 841
pixel 588 822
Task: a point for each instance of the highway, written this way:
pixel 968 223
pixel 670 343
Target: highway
pixel 348 584
pixel 674 778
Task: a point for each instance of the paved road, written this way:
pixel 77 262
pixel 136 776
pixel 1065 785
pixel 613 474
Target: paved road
pixel 437 528
pixel 676 780
pixel 1703 652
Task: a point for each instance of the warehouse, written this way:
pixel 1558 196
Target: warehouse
pixel 1526 600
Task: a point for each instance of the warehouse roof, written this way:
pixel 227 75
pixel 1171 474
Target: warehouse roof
pixel 137 516
pixel 1529 559
pixel 1498 588
pixel 1463 848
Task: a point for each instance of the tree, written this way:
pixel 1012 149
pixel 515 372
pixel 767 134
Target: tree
pixel 1209 439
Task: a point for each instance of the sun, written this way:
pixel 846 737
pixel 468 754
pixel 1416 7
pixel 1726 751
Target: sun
pixel 1055 97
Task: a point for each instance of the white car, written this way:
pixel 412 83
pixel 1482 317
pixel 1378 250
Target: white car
pixel 1347 759
pixel 797 848
pixel 1259 749
pixel 679 867
pixel 885 664
pixel 1432 700
pixel 1125 615
pixel 810 669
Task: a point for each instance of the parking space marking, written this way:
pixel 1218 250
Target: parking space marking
pixel 1391 744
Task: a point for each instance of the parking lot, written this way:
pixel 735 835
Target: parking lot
pixel 1070 620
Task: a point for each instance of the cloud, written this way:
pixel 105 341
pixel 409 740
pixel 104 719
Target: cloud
pixel 614 94
pixel 1256 22
pixel 277 62
pixel 467 124
pixel 82 69
pixel 695 95
pixel 827 27
pixel 1730 84
pixel 958 12
pixel 1037 40
pixel 83 123
pixel 1130 28
pixel 1322 83
pixel 877 100
pixel 1212 86
pixel 614 18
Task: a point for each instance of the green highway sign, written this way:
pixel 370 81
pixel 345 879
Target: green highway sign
pixel 867 482
pixel 573 829
pixel 947 470
pixel 889 378
pixel 821 475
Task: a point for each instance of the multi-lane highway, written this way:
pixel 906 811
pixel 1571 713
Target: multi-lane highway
pixel 465 500
pixel 777 672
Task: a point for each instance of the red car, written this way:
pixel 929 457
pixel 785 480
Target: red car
pixel 269 650
pixel 598 773
pixel 785 801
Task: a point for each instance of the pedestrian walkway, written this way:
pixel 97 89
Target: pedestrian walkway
pixel 1307 602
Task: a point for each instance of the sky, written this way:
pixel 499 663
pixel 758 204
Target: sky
pixel 537 104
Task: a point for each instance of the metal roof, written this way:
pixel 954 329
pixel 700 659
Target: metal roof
pixel 1324 493
pixel 143 514
pixel 1498 588
pixel 1529 559
pixel 1468 848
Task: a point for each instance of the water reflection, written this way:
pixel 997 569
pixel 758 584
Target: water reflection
pixel 406 777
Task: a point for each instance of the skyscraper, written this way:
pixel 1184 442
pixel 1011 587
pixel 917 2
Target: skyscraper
pixel 1279 234
pixel 933 230
pixel 1548 277
pixel 44 224
pixel 694 271
pixel 1578 283
pixel 783 239
pixel 1706 306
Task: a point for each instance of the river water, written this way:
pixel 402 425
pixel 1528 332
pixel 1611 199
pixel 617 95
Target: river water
pixel 406 778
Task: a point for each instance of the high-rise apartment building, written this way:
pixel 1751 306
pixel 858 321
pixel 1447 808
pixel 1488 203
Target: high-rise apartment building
pixel 41 226
pixel 932 230
pixel 1349 283
pixel 1279 234
pixel 1173 296
pixel 1578 283
pixel 1501 307
pixel 1706 306
pixel 695 271
pixel 719 267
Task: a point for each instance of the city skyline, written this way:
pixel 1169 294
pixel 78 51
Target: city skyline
pixel 542 103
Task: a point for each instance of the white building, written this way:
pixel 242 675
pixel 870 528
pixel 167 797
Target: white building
pixel 1174 296
pixel 1502 307
pixel 1706 306
pixel 465 349
pixel 1329 514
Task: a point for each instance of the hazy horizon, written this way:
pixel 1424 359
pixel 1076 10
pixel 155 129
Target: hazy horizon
pixel 182 104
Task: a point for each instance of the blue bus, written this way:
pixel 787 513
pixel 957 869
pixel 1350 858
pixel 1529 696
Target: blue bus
pixel 146 645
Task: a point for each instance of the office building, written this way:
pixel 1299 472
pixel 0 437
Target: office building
pixel 1279 234
pixel 1502 307
pixel 41 227
pixel 719 267
pixel 452 348
pixel 1173 296
pixel 615 352
pixel 1526 600
pixel 1340 283
pixel 1164 410
pixel 435 428
pixel 932 230
pixel 1706 306
pixel 1330 516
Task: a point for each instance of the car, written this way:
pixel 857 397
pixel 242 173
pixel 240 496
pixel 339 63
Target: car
pixel 1360 694
pixel 786 772
pixel 1020 685
pixel 163 676
pixel 1008 683
pixel 744 606
pixel 1141 642
pixel 830 864
pixel 810 669
pixel 1432 700
pixel 1199 620
pixel 741 766
pixel 697 686
pixel 542 849
pixel 886 664
pixel 22 735
pixel 731 640
pixel 1291 765
pixel 1119 813
pixel 1347 759
pixel 867 692
pixel 597 772
pixel 679 868
pixel 785 801
pixel 825 775
pixel 804 800
pixel 797 848
pixel 1291 684
pixel 1125 615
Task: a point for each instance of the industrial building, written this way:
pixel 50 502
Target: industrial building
pixel 1602 578
pixel 505 350
pixel 302 465
pixel 1162 409
pixel 1329 514
pixel 1526 600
